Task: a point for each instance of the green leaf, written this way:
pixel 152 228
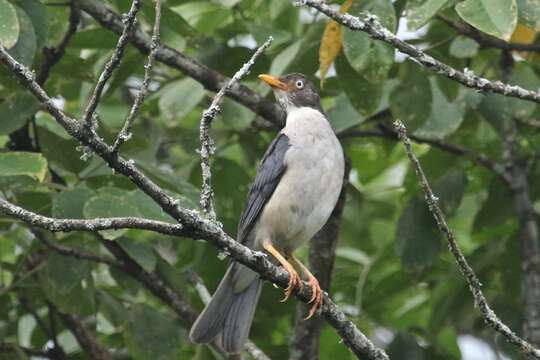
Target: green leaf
pixel 445 117
pixel 463 47
pixel 343 115
pixel 23 163
pixel 494 17
pixel 363 95
pixel 285 58
pixel 141 253
pixel 204 16
pixel 108 205
pixel 63 273
pixel 151 334
pixel 370 58
pixel 178 98
pixel 9 24
pixel 16 110
pixel 529 13
pixel 70 203
pixel 524 76
pixel 405 346
pixel 411 101
pixel 418 240
pixel 25 48
pixel 37 12
pixel 419 12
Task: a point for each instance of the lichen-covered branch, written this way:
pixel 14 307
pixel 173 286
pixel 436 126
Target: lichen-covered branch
pixel 125 133
pixel 472 280
pixel 129 21
pixel 369 24
pixel 193 224
pixel 207 144
pixel 66 225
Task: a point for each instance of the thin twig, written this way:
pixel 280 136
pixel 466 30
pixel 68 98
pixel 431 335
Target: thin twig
pixel 125 133
pixel 459 150
pixel 371 25
pixel 472 280
pixel 194 226
pixel 53 55
pixel 73 252
pixel 207 144
pixel 129 21
pixel 484 39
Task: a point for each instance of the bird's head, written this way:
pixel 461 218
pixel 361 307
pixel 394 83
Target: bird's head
pixel 293 91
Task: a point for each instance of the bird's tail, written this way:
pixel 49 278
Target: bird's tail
pixel 229 313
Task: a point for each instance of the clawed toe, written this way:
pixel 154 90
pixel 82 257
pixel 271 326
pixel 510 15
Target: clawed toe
pixel 294 281
pixel 316 297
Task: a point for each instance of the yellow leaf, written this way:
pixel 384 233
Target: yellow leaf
pixel 523 35
pixel 331 43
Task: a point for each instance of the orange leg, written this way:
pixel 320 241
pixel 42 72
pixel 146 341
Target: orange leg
pixel 316 291
pixel 294 278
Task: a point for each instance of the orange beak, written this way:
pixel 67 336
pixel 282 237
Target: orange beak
pixel 274 82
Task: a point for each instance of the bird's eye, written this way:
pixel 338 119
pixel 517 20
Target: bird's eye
pixel 299 84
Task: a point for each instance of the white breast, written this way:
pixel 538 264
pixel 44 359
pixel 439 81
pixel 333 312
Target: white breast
pixel 309 189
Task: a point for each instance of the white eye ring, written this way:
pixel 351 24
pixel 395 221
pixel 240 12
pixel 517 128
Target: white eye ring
pixel 299 84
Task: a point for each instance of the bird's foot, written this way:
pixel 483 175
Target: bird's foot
pixel 316 296
pixel 294 281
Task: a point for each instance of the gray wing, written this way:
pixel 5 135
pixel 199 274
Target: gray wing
pixel 270 171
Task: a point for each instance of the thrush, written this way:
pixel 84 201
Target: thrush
pixel 295 190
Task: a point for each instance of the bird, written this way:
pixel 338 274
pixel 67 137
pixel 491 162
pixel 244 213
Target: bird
pixel 296 187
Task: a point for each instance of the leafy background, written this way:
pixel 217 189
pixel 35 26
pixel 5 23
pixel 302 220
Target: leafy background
pixel 393 275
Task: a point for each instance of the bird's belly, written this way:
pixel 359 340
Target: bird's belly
pixel 307 195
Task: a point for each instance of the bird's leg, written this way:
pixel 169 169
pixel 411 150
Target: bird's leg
pixel 316 291
pixel 294 278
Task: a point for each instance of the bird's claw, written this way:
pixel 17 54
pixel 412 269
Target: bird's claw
pixel 294 281
pixel 316 297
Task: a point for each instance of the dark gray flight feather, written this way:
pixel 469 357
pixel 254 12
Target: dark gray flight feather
pixel 270 172
pixel 230 312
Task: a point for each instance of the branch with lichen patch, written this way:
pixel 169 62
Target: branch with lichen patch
pixel 125 133
pixel 472 280
pixel 369 24
pixel 129 21
pixel 207 144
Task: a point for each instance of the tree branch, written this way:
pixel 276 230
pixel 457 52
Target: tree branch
pixel 207 144
pixel 480 159
pixel 472 280
pixel 86 339
pixel 125 133
pixel 209 78
pixel 65 225
pixel 486 40
pixel 304 344
pixel 116 57
pixel 371 25
pixel 53 55
pixel 14 348
pixel 195 226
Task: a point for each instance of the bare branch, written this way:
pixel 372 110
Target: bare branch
pixel 53 55
pixel 129 21
pixel 209 78
pixel 472 280
pixel 371 25
pixel 207 144
pixel 194 225
pixel 125 133
pixel 86 339
pixel 65 225
pixel 459 150
pixel 484 39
